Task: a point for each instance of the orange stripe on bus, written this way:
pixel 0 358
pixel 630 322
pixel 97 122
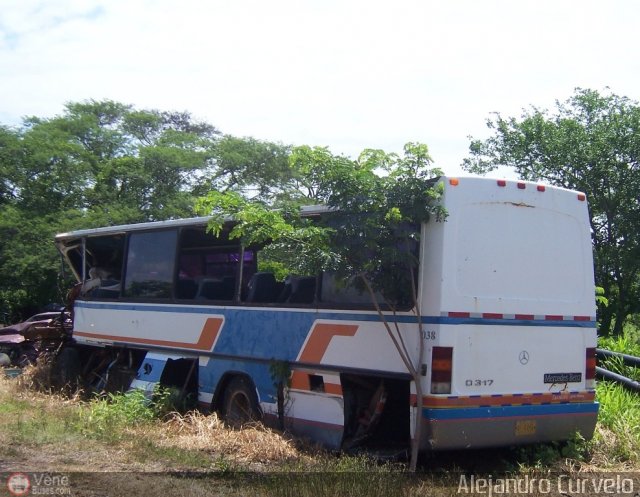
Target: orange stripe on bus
pixel 300 381
pixel 333 389
pixel 208 336
pixel 314 350
pixel 321 336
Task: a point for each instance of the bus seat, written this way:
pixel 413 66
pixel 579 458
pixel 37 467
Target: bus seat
pixel 303 290
pixel 211 289
pixel 262 288
pixel 228 287
pixel 285 291
pixel 186 289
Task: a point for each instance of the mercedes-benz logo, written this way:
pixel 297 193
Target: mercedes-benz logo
pixel 523 357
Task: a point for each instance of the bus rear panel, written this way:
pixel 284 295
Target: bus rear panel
pixel 508 292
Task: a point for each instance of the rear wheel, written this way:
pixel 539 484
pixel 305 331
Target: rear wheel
pixel 240 402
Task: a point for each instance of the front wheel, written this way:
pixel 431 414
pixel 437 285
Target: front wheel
pixel 240 403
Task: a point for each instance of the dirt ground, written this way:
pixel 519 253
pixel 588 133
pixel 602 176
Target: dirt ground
pixel 45 445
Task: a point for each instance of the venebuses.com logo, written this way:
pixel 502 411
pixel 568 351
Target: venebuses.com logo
pixel 18 484
pixel 22 484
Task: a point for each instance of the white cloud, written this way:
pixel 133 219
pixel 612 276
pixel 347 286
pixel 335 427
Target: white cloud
pixel 348 75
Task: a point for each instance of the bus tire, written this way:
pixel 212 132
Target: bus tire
pixel 240 404
pixel 66 369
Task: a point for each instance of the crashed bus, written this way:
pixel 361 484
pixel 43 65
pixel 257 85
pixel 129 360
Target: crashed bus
pixel 507 321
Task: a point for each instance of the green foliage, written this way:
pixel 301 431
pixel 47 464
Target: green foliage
pixel 620 408
pixel 37 426
pixel 627 343
pixel 112 413
pixel 29 263
pixel 106 415
pixel 369 230
pixel 601 299
pixel 620 413
pixel 104 163
pixel 592 144
pixel 256 168
pixel 543 456
pixel 280 372
pixel 279 269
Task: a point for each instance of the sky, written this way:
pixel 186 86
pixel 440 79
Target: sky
pixel 346 74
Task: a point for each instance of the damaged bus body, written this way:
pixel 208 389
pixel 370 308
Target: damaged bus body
pixel 505 289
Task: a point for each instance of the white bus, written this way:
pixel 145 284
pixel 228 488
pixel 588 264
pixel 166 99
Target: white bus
pixel 506 294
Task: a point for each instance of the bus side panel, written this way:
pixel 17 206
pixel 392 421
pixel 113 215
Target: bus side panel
pixel 249 341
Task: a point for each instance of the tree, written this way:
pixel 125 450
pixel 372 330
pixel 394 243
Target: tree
pixel 104 163
pixel 370 235
pixel 254 167
pixel 590 143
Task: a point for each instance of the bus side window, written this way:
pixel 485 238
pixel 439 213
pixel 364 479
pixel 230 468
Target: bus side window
pixel 208 266
pixel 335 292
pixel 105 255
pixel 150 264
pixel 298 290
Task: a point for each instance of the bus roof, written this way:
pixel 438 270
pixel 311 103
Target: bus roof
pixel 311 210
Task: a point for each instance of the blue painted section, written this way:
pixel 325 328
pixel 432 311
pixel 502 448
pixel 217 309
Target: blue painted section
pixel 510 322
pixel 266 334
pixel 157 366
pixel 510 411
pixel 210 375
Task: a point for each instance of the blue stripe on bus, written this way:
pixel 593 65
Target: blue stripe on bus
pixel 510 411
pixel 314 314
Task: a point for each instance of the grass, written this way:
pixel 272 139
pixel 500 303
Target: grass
pixel 617 439
pixel 152 436
pixel 44 431
pixel 627 343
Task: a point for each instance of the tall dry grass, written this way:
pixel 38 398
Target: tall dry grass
pixel 253 443
pixel 194 440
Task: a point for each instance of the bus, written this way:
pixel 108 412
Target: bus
pixel 505 290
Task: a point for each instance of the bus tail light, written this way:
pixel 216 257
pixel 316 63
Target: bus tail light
pixel 441 366
pixel 590 371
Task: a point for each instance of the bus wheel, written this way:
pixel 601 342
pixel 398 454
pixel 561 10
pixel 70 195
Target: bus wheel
pixel 240 402
pixel 66 369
